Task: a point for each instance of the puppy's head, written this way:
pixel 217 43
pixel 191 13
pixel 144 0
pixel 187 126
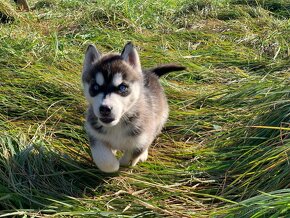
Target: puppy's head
pixel 112 83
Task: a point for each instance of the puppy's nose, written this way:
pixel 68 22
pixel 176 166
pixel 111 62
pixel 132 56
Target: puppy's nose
pixel 105 110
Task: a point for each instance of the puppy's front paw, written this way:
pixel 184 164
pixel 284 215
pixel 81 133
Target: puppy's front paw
pixel 108 166
pixel 141 157
pixel 104 158
pixel 144 156
pixel 125 160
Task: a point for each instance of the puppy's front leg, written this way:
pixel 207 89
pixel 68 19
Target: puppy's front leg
pixel 103 156
pixel 125 160
pixel 139 154
pixel 133 157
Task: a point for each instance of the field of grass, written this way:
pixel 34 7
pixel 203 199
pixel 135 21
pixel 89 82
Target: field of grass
pixel 225 149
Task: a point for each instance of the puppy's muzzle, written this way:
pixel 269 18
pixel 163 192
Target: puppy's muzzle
pixel 105 112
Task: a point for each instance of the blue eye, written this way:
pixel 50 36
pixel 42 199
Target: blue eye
pixel 96 87
pixel 122 88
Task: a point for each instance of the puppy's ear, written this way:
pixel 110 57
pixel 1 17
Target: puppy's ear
pixel 130 55
pixel 92 55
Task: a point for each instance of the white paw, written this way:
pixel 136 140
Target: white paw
pixel 144 156
pixel 104 158
pixel 108 166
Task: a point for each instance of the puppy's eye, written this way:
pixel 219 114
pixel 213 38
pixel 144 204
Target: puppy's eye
pixel 122 88
pixel 95 87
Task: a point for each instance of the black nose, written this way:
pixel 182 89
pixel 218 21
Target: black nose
pixel 105 110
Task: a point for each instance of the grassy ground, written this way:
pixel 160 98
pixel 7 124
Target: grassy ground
pixel 225 149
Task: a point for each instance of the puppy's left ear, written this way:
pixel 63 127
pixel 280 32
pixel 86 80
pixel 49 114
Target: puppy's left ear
pixel 130 55
pixel 92 55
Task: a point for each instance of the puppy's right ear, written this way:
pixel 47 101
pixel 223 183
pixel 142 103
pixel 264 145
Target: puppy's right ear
pixel 130 55
pixel 92 55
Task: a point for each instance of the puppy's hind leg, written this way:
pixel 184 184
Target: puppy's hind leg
pixel 103 156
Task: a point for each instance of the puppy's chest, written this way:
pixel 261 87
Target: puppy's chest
pixel 121 137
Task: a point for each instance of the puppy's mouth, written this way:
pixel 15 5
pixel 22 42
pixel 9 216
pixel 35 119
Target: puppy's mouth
pixel 107 120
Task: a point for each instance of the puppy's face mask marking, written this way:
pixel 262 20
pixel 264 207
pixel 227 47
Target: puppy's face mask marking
pixel 112 83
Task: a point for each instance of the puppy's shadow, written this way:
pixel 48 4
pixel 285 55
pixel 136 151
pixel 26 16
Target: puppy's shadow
pixel 37 176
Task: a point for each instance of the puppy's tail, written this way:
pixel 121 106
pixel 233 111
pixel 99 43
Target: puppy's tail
pixel 167 68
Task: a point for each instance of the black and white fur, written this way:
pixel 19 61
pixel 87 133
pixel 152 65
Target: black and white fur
pixel 127 106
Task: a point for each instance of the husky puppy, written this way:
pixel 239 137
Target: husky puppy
pixel 127 106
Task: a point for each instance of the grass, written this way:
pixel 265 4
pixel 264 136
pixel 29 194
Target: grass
pixel 7 13
pixel 224 151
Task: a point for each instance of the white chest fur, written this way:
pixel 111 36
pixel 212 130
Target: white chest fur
pixel 118 139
